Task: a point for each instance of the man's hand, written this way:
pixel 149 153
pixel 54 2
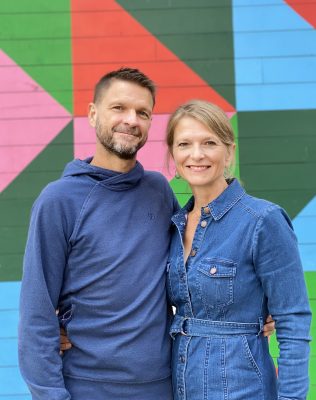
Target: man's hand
pixel 64 341
pixel 269 327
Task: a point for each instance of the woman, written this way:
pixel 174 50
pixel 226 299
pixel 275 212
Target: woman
pixel 234 260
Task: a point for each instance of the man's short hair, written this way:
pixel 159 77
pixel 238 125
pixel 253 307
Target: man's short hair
pixel 124 74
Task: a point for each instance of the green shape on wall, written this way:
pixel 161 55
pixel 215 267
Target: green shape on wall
pixel 17 199
pixel 181 189
pixel 200 33
pixel 278 156
pixel 36 35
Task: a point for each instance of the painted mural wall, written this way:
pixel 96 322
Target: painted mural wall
pixel 254 58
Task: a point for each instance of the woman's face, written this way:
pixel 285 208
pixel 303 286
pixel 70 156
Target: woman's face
pixel 199 155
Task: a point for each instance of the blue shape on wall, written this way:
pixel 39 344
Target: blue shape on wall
pixel 275 57
pixel 305 229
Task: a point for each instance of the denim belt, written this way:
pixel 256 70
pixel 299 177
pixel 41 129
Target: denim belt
pixel 203 327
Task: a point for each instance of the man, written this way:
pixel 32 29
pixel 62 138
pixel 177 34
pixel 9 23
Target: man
pixel 96 251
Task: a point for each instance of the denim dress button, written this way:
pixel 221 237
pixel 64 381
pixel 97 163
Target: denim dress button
pixel 203 224
pixel 206 210
pixel 213 270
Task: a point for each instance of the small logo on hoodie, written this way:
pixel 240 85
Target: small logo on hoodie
pixel 151 216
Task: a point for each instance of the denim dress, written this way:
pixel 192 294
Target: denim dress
pixel 243 265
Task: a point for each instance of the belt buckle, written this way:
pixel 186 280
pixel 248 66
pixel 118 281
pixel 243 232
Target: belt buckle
pixel 182 331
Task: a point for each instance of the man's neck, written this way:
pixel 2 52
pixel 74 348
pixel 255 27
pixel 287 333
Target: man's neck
pixel 112 162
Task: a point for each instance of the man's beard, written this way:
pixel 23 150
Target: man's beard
pixel 123 151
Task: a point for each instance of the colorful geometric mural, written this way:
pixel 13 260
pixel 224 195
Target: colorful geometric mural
pixel 254 58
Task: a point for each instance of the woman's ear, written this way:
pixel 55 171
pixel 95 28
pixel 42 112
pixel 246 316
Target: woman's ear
pixel 230 154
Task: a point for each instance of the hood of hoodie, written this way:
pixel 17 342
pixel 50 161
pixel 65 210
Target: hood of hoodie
pixel 113 180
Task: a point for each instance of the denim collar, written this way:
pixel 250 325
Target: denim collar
pixel 218 207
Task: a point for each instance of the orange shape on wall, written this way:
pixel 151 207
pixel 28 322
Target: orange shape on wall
pixel 106 37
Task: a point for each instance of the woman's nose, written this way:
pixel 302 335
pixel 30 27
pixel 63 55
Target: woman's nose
pixel 197 152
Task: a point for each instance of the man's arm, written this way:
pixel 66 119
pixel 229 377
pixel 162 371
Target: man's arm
pixel 43 269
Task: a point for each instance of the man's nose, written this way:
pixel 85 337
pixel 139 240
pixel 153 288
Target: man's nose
pixel 130 117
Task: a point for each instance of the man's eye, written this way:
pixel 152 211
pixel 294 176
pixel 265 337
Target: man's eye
pixel 118 108
pixel 144 114
pixel 182 144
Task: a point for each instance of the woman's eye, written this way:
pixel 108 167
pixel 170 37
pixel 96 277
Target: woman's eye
pixel 182 144
pixel 210 143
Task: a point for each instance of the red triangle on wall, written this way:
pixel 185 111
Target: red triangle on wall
pixel 106 37
pixel 306 9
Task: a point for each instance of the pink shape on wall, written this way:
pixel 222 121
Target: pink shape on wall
pixel 84 138
pixel 153 155
pixel 29 120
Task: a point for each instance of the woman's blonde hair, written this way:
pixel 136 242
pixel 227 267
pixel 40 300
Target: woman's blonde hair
pixel 210 115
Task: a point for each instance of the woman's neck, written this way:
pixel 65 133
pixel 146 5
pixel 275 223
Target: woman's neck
pixel 203 196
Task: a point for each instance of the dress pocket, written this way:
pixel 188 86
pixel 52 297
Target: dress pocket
pixel 242 357
pixel 215 280
pixel 250 357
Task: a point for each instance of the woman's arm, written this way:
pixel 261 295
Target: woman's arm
pixel 278 265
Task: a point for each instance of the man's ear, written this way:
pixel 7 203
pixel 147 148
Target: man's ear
pixel 92 114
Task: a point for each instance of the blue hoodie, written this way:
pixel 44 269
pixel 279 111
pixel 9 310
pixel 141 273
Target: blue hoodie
pixel 97 249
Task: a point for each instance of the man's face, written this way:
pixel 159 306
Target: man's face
pixel 122 118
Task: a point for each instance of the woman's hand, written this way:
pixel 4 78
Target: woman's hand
pixel 64 341
pixel 269 327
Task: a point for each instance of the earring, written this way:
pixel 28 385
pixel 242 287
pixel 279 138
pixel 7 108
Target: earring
pixel 176 175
